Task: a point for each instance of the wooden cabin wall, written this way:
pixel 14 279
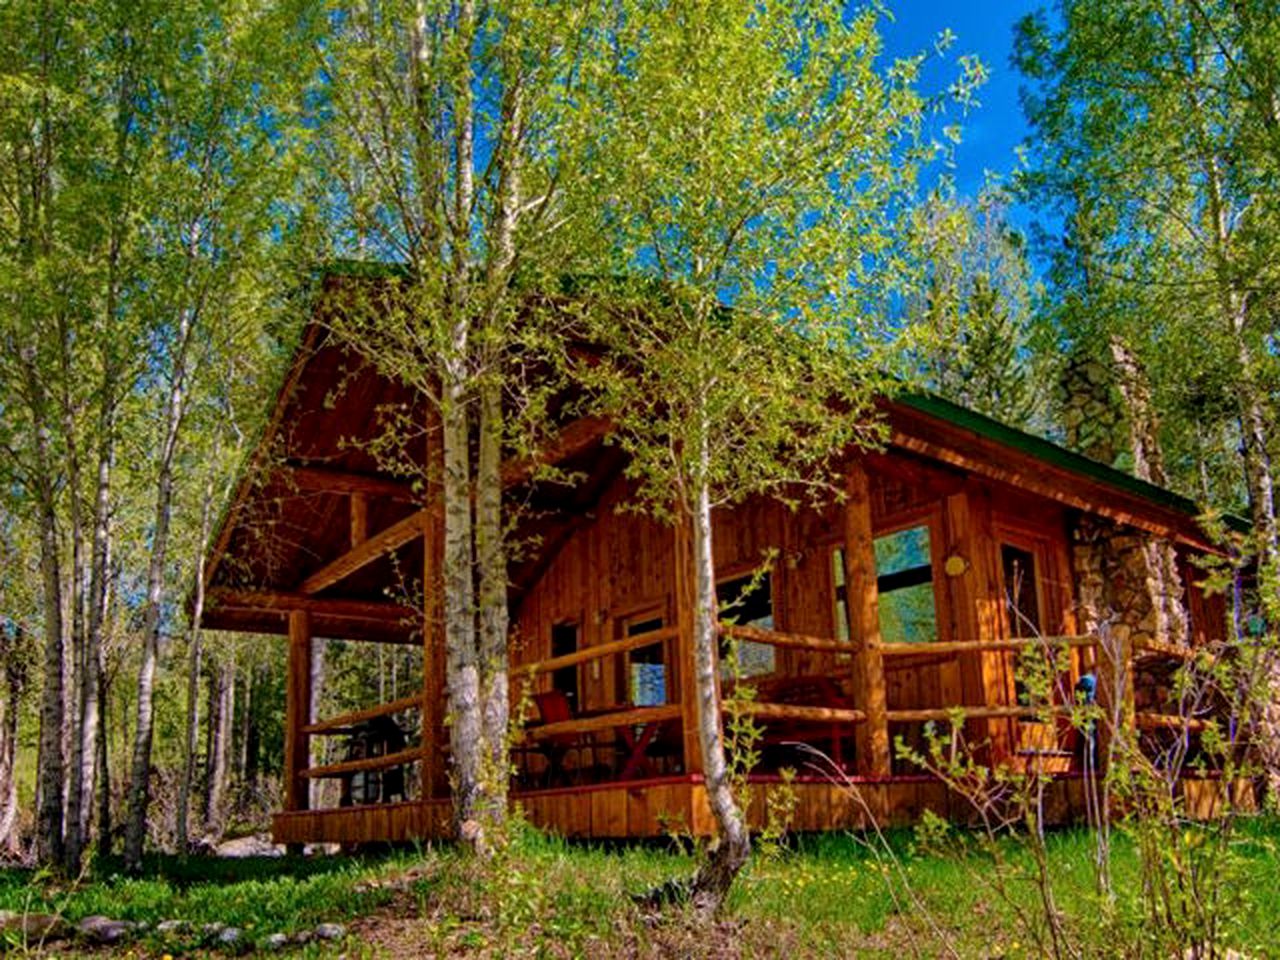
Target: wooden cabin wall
pixel 618 565
pixel 1207 612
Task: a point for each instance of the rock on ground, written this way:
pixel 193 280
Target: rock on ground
pixel 330 931
pixel 229 937
pixel 250 846
pixel 34 927
pixel 104 930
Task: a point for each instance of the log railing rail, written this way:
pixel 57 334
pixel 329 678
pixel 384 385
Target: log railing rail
pixel 795 711
pixel 1175 650
pixel 398 759
pixel 340 723
pixel 632 716
pixel 1168 721
pixel 787 641
pixel 983 646
pixel 596 652
pixel 945 714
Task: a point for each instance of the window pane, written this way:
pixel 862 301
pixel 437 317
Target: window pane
pixel 902 550
pixel 648 684
pixel 907 616
pixel 564 640
pixel 904 576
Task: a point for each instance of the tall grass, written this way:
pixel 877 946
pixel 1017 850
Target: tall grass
pixel 831 895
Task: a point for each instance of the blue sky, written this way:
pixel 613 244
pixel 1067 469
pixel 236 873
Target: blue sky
pixel 985 28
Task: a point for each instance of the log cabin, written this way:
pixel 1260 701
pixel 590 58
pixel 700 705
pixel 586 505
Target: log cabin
pixel 960 545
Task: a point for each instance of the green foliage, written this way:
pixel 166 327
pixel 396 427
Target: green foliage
pixel 260 896
pixel 973 340
pixel 751 190
pixel 1153 139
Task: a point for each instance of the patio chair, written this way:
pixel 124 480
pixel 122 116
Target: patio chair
pixel 554 707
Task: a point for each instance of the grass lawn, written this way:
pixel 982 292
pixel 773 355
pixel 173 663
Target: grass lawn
pixel 833 895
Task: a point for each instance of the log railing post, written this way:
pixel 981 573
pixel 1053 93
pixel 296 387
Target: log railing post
pixel 863 605
pixel 297 712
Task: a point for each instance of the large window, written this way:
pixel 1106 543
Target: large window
pixel 748 601
pixel 904 576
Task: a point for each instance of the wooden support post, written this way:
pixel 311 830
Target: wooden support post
pixel 297 712
pixel 682 562
pixel 359 518
pixel 863 605
pixel 433 665
pixel 976 605
pixel 435 780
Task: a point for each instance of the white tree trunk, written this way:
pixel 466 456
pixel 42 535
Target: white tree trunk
pixel 711 885
pixel 140 766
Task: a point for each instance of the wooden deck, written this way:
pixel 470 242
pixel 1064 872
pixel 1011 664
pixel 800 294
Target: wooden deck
pixel 678 805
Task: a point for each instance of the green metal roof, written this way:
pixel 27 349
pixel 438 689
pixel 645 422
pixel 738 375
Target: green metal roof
pixel 1053 454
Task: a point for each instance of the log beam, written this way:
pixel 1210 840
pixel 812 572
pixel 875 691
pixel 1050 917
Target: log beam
pixel 573 439
pixel 278 601
pixel 381 543
pixel 329 480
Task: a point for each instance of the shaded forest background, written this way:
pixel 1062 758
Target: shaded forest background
pixel 167 188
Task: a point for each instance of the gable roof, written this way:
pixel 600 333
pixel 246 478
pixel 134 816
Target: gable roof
pixel 289 511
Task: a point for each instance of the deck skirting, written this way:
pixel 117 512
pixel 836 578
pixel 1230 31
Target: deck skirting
pixel 678 805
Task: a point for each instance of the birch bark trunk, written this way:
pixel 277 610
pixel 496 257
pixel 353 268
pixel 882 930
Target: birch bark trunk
pixel 219 749
pixel 80 765
pixel 712 883
pixel 491 556
pixel 140 765
pixel 194 657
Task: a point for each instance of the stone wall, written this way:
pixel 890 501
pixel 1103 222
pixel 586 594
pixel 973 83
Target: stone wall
pixel 1128 589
